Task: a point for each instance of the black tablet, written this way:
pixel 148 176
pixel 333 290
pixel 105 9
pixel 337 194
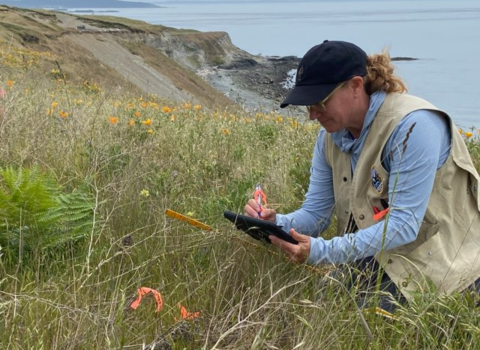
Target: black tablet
pixel 257 228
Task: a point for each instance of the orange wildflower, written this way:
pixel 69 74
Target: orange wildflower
pixel 113 120
pixel 54 104
pixel 226 131
pixel 197 107
pixel 166 109
pixel 144 105
pixel 10 83
pixel 63 114
pixel 188 105
pixel 280 120
pixel 131 122
pixel 138 114
pixel 147 122
pixel 468 134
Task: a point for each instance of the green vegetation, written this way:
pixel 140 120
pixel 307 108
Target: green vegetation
pixel 121 23
pixel 100 167
pixel 35 216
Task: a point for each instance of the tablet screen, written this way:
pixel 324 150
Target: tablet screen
pixel 257 228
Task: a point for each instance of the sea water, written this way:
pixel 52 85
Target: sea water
pixel 443 35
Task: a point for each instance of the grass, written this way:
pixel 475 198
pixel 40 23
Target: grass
pixel 137 156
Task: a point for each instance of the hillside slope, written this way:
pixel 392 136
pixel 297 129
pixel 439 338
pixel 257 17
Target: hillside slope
pixel 113 54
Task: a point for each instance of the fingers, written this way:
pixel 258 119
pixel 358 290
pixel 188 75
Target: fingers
pixel 253 210
pixel 269 215
pixel 299 237
pixel 297 253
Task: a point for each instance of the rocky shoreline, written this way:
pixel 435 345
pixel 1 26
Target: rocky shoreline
pixel 255 83
pixel 259 83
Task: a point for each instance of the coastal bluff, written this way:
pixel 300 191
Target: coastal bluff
pixel 80 4
pixel 179 65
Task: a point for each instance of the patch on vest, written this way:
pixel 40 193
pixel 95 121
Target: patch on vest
pixel 377 181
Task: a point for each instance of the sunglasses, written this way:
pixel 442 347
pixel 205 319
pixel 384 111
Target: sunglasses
pixel 322 103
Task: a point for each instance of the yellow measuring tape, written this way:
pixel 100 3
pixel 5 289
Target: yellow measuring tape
pixel 381 312
pixel 196 223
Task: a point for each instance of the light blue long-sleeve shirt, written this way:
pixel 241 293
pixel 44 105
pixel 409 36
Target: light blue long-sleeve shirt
pixel 412 174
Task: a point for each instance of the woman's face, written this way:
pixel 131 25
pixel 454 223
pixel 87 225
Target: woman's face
pixel 344 109
pixel 333 114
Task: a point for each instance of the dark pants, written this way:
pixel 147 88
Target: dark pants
pixel 364 277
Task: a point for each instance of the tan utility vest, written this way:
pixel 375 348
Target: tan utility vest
pixel 447 249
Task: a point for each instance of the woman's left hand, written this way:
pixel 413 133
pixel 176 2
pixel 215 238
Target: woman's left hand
pixel 297 253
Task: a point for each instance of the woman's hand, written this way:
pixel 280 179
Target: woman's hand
pixel 253 210
pixel 297 253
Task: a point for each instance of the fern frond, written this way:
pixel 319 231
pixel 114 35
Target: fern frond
pixel 36 215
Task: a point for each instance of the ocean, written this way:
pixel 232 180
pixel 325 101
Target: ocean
pixel 443 35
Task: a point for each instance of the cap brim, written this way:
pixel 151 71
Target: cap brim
pixel 307 95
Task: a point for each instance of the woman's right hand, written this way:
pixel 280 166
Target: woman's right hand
pixel 252 209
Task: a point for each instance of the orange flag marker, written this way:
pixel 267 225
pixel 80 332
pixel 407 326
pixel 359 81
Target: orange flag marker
pixel 144 291
pixel 380 214
pixel 185 315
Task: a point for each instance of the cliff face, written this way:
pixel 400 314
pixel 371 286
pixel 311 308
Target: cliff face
pixel 196 50
pixel 181 65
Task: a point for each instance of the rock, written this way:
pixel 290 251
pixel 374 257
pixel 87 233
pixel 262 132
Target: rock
pixel 240 63
pixel 30 38
pixel 256 81
pixel 404 58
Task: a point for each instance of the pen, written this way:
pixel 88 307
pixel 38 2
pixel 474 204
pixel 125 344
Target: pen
pixel 260 197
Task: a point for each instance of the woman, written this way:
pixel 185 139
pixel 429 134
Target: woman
pixel 395 171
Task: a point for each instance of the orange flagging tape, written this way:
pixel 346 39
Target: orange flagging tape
pixel 185 315
pixel 380 215
pixel 144 291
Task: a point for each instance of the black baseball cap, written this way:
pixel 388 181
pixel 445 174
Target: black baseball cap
pixel 322 68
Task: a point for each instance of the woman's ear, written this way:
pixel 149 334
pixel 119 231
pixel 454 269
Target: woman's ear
pixel 356 84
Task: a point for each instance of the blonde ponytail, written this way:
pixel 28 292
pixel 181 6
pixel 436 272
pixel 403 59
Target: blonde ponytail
pixel 380 75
